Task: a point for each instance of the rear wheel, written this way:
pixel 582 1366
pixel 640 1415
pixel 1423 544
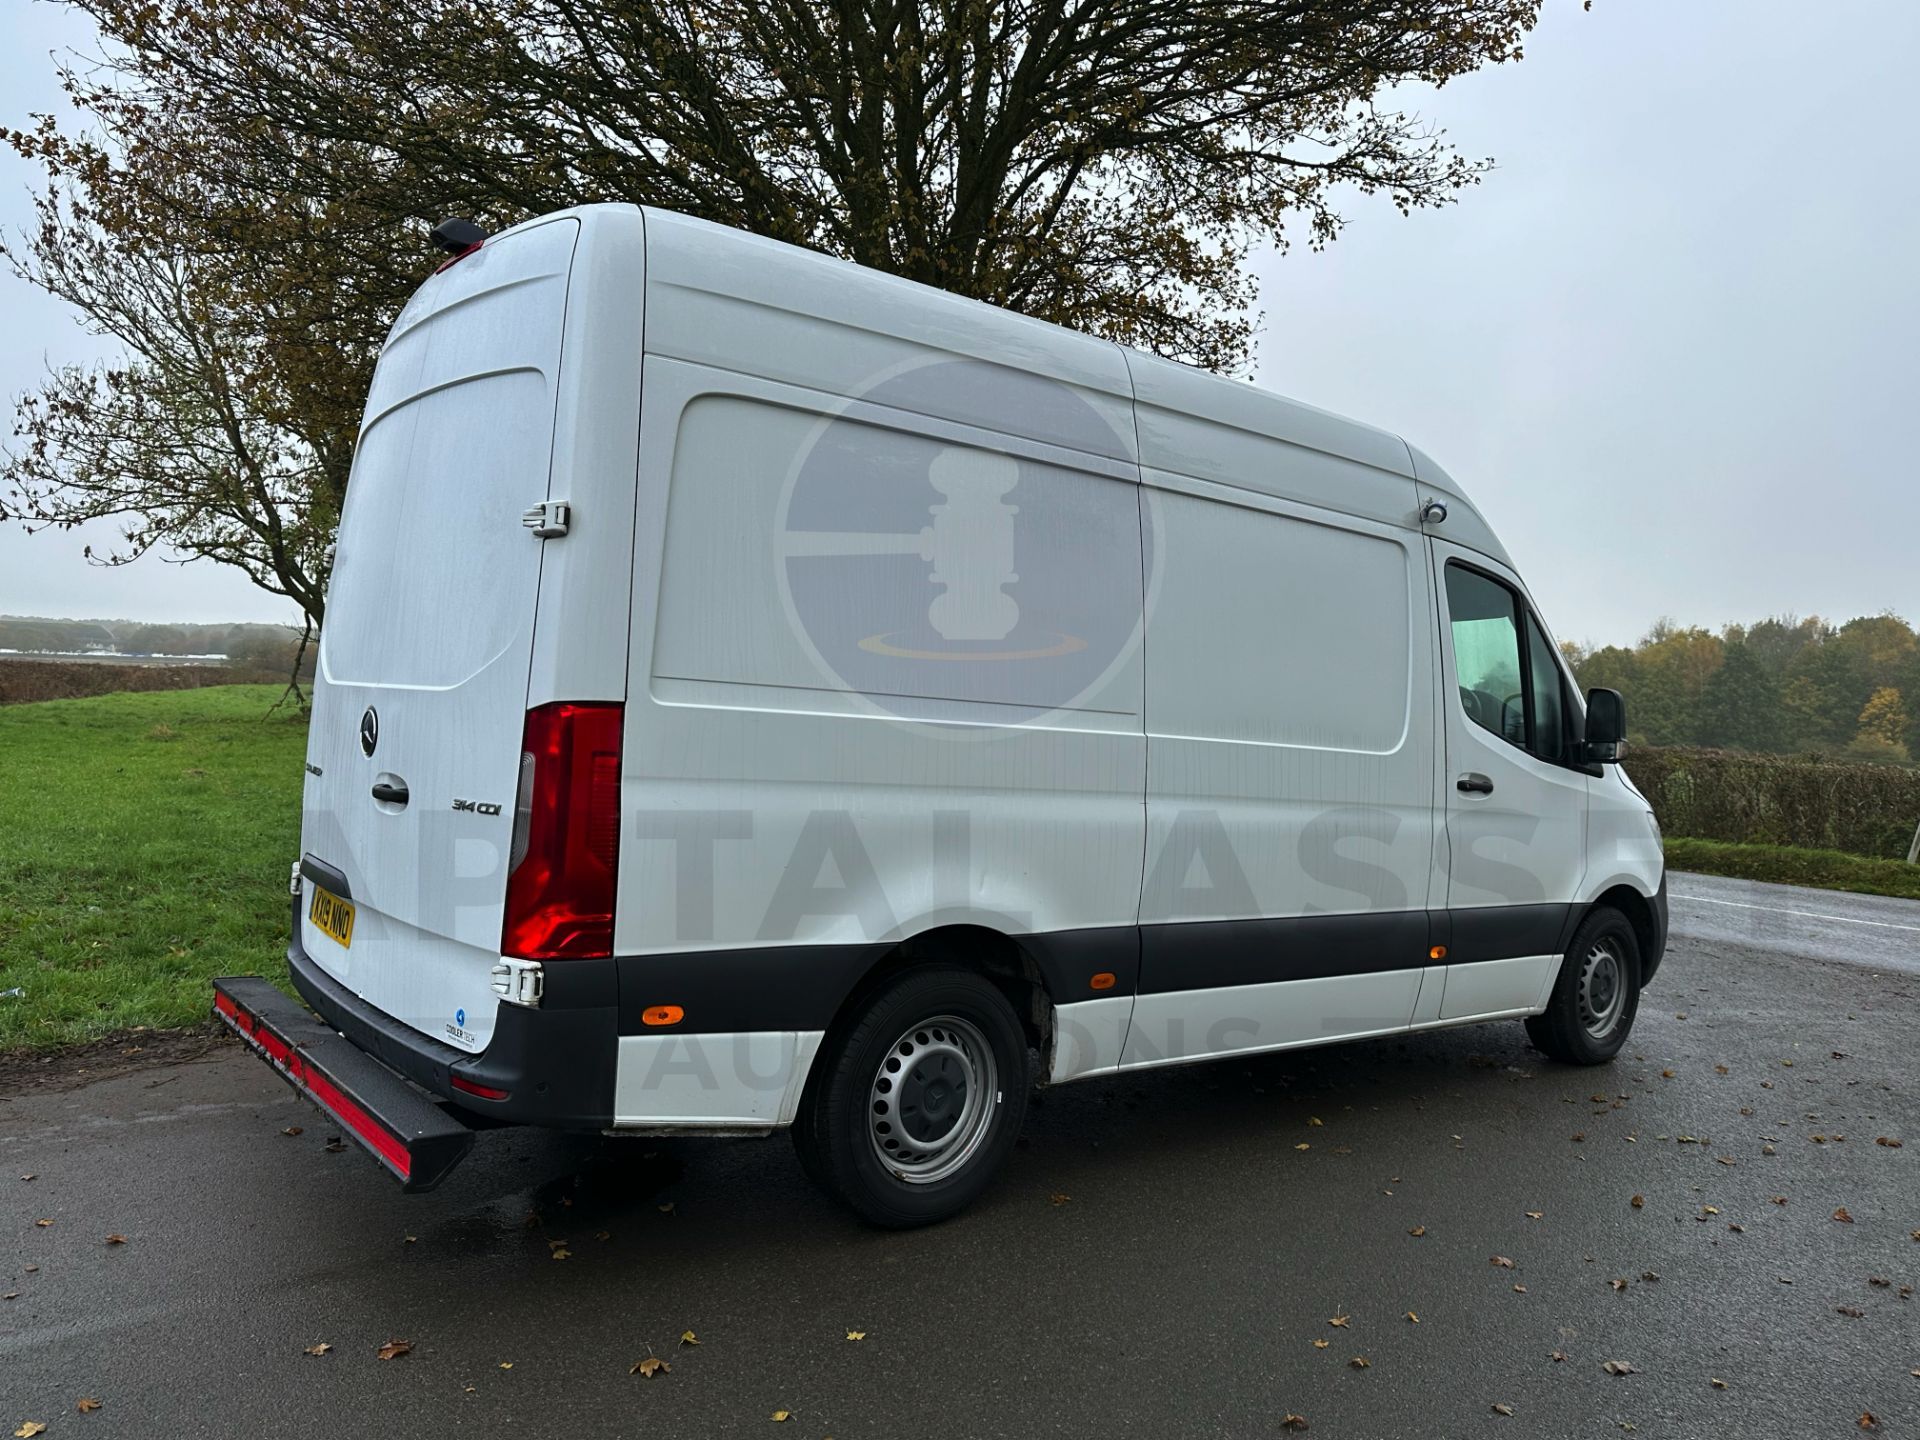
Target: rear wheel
pixel 1594 1001
pixel 916 1102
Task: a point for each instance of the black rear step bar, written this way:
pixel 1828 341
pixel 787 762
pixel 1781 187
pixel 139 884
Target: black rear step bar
pixel 415 1140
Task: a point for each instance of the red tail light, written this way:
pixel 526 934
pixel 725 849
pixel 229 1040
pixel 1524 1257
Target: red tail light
pixel 566 835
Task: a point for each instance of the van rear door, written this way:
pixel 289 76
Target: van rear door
pixel 413 758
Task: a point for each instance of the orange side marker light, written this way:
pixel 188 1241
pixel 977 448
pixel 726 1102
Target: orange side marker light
pixel 1103 981
pixel 662 1015
pixel 1438 952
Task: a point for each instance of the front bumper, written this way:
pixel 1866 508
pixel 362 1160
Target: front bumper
pixel 1656 952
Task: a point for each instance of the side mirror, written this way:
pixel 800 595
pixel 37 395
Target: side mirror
pixel 1606 738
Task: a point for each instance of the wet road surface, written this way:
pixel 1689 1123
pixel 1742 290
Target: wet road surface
pixel 1159 1259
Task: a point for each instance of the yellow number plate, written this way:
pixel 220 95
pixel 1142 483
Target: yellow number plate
pixel 333 915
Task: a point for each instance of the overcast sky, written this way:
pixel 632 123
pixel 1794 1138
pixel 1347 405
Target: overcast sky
pixel 1668 346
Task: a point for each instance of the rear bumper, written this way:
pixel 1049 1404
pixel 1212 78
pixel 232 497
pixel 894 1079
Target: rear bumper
pixel 413 1139
pixel 555 1063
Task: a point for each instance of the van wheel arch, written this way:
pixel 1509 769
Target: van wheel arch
pixel 1637 911
pixel 981 948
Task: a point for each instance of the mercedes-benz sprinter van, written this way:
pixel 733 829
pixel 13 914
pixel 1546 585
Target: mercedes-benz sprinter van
pixel 762 693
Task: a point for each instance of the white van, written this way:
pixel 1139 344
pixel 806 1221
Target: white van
pixel 758 692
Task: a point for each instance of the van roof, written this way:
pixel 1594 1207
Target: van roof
pixel 786 276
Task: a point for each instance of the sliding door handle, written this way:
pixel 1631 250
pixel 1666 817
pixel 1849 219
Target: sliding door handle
pixel 1473 783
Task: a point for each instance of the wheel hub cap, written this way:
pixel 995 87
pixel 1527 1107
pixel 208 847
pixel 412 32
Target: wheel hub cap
pixel 931 1103
pixel 1603 990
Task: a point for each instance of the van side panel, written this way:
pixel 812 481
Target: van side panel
pixel 1289 710
pixel 885 665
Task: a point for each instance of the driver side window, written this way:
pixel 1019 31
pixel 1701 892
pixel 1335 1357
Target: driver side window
pixel 1484 615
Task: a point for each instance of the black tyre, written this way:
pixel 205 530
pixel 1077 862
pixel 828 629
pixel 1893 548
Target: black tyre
pixel 916 1099
pixel 1597 995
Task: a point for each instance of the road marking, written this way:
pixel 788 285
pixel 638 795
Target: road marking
pixel 1805 914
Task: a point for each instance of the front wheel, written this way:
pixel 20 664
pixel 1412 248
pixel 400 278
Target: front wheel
pixel 1597 995
pixel 917 1101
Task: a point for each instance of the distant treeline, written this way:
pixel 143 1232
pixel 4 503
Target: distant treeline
pixel 250 647
pixel 1784 686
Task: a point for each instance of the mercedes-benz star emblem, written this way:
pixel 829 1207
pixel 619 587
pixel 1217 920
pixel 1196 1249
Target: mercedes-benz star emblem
pixel 369 730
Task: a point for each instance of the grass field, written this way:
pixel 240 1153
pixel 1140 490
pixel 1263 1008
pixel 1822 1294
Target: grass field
pixel 1821 869
pixel 144 846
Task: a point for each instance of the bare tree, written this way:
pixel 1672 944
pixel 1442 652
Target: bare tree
pixel 173 442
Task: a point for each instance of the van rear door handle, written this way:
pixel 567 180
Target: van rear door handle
pixel 1473 783
pixel 390 794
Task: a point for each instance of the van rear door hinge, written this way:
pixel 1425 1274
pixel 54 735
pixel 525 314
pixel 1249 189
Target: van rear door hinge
pixel 550 519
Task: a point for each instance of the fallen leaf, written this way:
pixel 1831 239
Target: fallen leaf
pixel 649 1367
pixel 1879 1280
pixel 1339 1322
pixel 43 1223
pixel 1519 1289
pixel 1781 1200
pixel 506 1364
pixel 1852 1312
pixel 1360 1362
pixel 1666 1074
pixel 560 1252
pixel 1503 1410
pixel 1649 1274
pixel 1620 1367
pixel 1313 1120
pixel 1536 1214
pixel 116 1239
pixel 603 1235
pixel 335 1145
pixel 1502 1261
pixel 1321 1344
pixel 856 1334
pixel 1618 1284
pixel 86 1404
pixel 394 1349
pixel 32 1428
pixel 293 1130
pixel 1061 1199
pixel 1303 1146
pixel 1639 1202
pixel 1581 1136
pixel 1413 1318
pixel 10 1295
pixel 1417 1231
pixel 1291 1421
pixel 1842 1216
pixel 781 1416
pixel 1557 1356
pixel 1721 1070
pixel 322 1348
pixel 666 1209
pixel 687 1337
pixel 1736 1229
pixel 29 1177
pixel 1868 1420
pixel 1716 1382
pixel 1887 1141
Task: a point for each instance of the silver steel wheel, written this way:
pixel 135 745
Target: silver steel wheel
pixel 1602 992
pixel 932 1100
